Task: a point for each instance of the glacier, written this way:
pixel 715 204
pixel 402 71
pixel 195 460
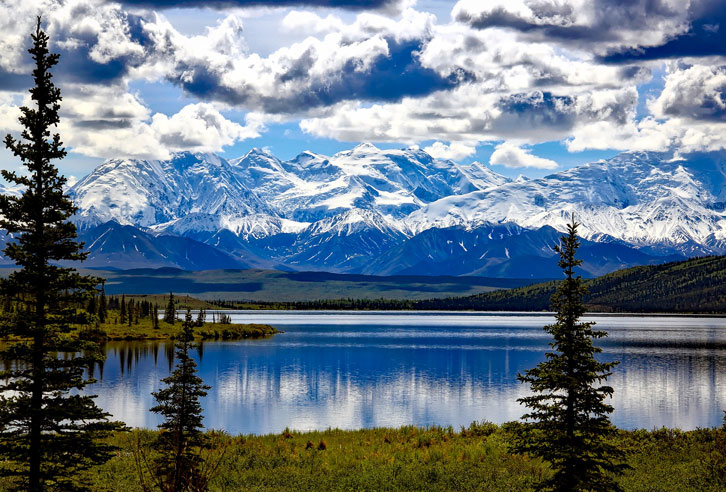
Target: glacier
pixel 402 211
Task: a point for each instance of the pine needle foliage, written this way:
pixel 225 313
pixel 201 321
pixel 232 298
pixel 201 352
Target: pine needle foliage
pixel 568 423
pixel 48 432
pixel 170 312
pixel 179 466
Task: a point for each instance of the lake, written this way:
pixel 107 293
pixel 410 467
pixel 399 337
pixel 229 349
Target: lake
pixel 373 369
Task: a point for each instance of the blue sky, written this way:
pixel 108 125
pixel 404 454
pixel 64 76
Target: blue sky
pixel 528 86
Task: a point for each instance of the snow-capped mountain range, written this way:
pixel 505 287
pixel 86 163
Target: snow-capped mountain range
pixel 375 211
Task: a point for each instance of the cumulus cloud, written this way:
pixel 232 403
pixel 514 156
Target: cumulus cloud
pixel 223 4
pixel 305 22
pixel 697 92
pixel 703 34
pixel 374 58
pixel 598 24
pixel 688 115
pixel 510 155
pixel 109 122
pixel 616 31
pixel 9 113
pixel 200 127
pixel 467 115
pixel 454 151
pixel 518 70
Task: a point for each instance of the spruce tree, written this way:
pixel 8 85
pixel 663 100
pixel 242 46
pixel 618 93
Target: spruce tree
pixel 180 439
pixel 568 423
pixel 201 317
pixel 123 309
pixel 47 434
pixel 92 308
pixel 170 313
pixel 102 306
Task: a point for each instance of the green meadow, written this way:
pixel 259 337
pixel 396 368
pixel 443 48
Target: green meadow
pixel 423 459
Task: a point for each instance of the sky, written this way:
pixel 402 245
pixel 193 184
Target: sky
pixel 527 86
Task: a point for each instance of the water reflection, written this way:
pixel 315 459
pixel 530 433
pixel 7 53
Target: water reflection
pixel 366 370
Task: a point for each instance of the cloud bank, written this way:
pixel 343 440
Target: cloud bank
pixel 525 71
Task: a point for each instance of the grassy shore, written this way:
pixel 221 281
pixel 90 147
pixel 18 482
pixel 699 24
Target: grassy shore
pixel 434 459
pixel 144 330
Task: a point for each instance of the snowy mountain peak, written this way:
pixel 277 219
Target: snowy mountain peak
pixel 147 192
pixel 255 153
pixel 184 160
pixel 338 212
pixel 646 199
pixel 365 147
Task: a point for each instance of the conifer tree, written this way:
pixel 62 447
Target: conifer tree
pixel 123 309
pixel 178 468
pixel 201 317
pixel 91 308
pixel 568 423
pixel 170 313
pixel 156 317
pixel 47 434
pixel 102 306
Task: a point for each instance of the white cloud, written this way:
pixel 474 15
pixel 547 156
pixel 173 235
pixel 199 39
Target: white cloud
pixel 510 155
pixel 109 122
pixel 688 115
pixel 508 87
pixel 200 127
pixel 454 151
pixel 299 21
pixel 697 92
pixel 596 25
pixel 470 115
pixel 9 112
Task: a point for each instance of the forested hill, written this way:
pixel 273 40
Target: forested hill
pixel 696 286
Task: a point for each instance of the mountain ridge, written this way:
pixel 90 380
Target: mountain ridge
pixel 362 210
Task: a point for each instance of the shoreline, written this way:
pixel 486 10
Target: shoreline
pixel 603 314
pixel 207 332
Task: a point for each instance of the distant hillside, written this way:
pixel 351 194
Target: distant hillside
pixel 697 285
pixel 278 286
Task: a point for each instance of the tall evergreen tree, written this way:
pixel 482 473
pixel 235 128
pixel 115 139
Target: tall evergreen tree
pixel 155 319
pixel 201 317
pixel 170 312
pixel 123 309
pixel 568 423
pixel 47 434
pixel 102 306
pixel 92 306
pixel 178 467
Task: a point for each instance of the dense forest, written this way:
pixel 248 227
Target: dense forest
pixel 692 286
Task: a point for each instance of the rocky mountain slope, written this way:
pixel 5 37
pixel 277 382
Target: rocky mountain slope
pixel 375 211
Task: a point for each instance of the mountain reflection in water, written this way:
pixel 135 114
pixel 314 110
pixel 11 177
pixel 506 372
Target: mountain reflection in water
pixel 353 370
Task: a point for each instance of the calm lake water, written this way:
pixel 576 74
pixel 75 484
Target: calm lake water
pixel 353 370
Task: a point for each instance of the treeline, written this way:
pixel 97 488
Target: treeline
pixel 696 286
pixel 691 286
pixel 128 311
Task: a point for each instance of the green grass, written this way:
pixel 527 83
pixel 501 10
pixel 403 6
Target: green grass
pixel 433 459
